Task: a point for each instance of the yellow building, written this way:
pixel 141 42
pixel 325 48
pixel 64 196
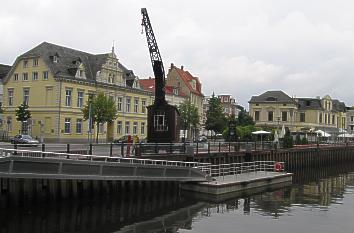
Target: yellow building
pixel 275 108
pixel 56 82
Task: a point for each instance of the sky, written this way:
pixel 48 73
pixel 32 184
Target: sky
pixel 237 47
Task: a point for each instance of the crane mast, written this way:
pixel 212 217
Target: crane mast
pixel 156 60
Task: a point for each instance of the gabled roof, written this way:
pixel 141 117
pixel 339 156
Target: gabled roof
pixel 187 77
pixel 339 106
pixel 309 103
pixel 149 85
pixel 4 70
pixel 272 96
pixel 67 57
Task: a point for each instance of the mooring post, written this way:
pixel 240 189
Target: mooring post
pixel 43 147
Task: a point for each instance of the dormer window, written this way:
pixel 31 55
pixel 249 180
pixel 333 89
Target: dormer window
pixel 175 91
pixel 81 73
pixel 271 98
pixel 55 58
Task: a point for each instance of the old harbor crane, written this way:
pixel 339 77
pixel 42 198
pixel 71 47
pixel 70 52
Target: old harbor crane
pixel 163 119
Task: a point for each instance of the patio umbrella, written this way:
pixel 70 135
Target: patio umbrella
pixel 261 132
pixel 321 133
pixel 346 135
pixel 282 132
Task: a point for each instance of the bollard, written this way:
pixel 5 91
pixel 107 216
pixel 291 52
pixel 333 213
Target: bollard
pixel 43 147
pixel 122 149
pixel 67 150
pixel 219 146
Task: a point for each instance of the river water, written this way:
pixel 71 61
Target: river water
pixel 319 201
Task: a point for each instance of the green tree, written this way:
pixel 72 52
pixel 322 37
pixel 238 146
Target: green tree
pixel 22 115
pixel 216 119
pixel 244 118
pixel 189 116
pixel 103 109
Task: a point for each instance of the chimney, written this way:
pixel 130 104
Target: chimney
pixel 181 67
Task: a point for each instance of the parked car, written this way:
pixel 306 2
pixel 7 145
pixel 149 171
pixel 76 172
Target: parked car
pixel 24 139
pixel 202 138
pixel 124 139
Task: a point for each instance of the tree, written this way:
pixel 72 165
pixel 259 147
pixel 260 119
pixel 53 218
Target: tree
pixel 22 115
pixel 216 119
pixel 103 109
pixel 244 119
pixel 189 115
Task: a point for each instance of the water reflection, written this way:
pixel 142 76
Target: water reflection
pixel 314 192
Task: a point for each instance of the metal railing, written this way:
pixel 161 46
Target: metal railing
pixel 60 155
pixel 235 169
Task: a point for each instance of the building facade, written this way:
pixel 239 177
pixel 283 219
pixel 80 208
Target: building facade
pixel 183 81
pixel 56 82
pixel 174 96
pixel 275 108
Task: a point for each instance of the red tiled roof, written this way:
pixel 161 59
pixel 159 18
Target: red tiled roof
pixel 149 85
pixel 187 77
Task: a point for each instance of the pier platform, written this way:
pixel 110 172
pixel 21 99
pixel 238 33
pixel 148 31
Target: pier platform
pixel 223 186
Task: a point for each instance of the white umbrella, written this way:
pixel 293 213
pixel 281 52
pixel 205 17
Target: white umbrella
pixel 276 137
pixel 282 132
pixel 321 133
pixel 260 132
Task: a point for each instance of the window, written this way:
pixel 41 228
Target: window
pixel 45 75
pixel 80 99
pixel 175 91
pixel 351 118
pixel 68 93
pixel 79 126
pixel 15 77
pixel 119 103
pixel 35 76
pixel 284 116
pixel 333 119
pixel 143 106
pixel 55 58
pixel 25 76
pixel 119 127
pixel 270 116
pixel 26 96
pixel 25 63
pixel 127 127
pixel 135 128
pixel 320 118
pixel 81 73
pixel 35 62
pixel 325 118
pixel 10 93
pixel 302 117
pixel 142 130
pixel 136 104
pixel 160 123
pixel 127 105
pixel 256 115
pixel 67 125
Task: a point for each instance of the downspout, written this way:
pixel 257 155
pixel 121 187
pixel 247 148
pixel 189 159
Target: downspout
pixel 59 109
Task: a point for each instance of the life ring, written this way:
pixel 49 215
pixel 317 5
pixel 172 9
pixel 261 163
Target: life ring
pixel 278 167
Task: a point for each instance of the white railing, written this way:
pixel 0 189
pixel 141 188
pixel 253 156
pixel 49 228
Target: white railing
pixel 57 155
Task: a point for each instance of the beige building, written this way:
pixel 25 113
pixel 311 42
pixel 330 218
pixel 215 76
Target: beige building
pixel 56 83
pixel 275 108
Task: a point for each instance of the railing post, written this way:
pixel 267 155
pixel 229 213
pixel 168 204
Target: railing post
pixel 68 148
pixel 219 146
pixel 208 148
pixel 156 148
pixel 90 149
pixel 229 146
pixel 197 148
pixel 111 149
pixel 43 147
pixel 15 148
pixel 171 148
pixel 122 149
pixel 184 146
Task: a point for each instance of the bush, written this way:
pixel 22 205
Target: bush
pixel 297 139
pixel 304 141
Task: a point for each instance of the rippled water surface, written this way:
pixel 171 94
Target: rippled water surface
pixel 319 201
